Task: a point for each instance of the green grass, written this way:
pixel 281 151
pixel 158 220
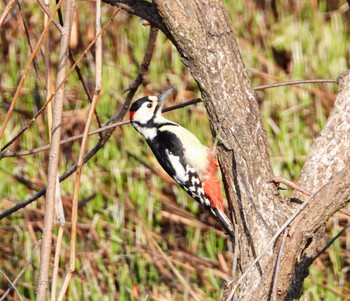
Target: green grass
pixel 115 258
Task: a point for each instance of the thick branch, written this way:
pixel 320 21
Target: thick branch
pixel 303 232
pixel 144 10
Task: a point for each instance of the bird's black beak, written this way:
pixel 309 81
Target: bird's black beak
pixel 162 98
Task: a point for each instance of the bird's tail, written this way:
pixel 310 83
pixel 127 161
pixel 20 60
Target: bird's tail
pixel 225 222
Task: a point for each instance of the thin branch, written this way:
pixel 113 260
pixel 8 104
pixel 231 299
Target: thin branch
pixel 146 59
pixel 6 12
pixel 35 63
pixel 12 285
pixel 132 88
pixel 48 14
pixel 295 82
pixel 340 233
pixel 85 86
pixel 182 105
pixel 64 141
pixel 278 266
pixel 29 261
pixel 45 255
pixel 292 185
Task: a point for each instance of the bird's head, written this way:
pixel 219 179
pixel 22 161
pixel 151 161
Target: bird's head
pixel 148 108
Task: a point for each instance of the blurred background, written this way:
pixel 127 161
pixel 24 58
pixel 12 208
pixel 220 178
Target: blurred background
pixel 139 236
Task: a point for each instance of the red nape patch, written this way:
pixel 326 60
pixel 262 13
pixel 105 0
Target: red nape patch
pixel 211 185
pixel 132 114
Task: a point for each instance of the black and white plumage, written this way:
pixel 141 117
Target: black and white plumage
pixel 191 164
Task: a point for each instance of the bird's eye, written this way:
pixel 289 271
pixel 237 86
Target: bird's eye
pixel 149 105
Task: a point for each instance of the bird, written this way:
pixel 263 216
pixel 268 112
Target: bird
pixel 188 162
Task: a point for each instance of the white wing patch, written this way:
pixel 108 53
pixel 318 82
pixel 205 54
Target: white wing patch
pixel 181 175
pixel 196 154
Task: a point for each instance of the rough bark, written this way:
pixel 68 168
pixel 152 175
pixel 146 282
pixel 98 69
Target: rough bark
pixel 202 33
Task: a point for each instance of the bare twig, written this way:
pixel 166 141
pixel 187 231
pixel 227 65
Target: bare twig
pixel 29 261
pixel 48 14
pixel 295 82
pixel 85 86
pixel 139 77
pixel 64 141
pixel 340 233
pixel 278 266
pixel 182 105
pixel 291 185
pixel 35 63
pixel 6 12
pixel 146 60
pixel 53 157
pixel 12 285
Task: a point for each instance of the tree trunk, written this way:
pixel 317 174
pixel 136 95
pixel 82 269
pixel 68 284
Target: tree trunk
pixel 202 33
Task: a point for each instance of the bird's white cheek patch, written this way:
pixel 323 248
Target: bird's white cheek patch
pixel 148 133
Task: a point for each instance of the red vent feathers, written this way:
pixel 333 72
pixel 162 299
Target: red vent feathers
pixel 211 184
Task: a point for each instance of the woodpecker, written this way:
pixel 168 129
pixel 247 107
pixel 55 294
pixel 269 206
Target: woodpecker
pixel 191 164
